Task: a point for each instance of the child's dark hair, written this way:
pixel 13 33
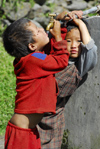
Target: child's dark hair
pixel 16 38
pixel 71 25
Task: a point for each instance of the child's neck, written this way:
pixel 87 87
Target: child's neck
pixel 72 60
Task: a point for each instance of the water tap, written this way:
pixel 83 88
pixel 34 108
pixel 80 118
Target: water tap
pixel 51 23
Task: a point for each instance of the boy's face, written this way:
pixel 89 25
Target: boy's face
pixel 73 38
pixel 39 36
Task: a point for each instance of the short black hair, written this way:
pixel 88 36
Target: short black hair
pixel 71 25
pixel 16 38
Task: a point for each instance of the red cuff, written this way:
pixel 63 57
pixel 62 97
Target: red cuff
pixel 60 45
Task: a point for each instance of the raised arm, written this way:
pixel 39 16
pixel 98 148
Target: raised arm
pixel 83 30
pixel 88 57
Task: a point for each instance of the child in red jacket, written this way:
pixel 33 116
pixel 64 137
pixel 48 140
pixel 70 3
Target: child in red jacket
pixel 36 86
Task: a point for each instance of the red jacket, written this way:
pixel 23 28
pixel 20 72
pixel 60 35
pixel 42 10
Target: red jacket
pixel 35 81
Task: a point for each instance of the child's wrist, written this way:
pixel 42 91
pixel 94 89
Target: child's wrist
pixel 58 38
pixel 81 23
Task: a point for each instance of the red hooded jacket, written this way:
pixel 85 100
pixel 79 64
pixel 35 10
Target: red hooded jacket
pixel 35 80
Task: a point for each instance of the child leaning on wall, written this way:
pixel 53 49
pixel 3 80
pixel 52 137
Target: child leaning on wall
pixel 36 86
pixel 83 58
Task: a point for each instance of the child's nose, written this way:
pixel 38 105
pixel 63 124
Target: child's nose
pixel 74 43
pixel 41 29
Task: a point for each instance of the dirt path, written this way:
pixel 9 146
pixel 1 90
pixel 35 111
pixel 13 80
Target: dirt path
pixel 1 142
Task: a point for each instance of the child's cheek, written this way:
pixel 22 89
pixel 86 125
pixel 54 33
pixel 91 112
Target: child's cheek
pixel 80 50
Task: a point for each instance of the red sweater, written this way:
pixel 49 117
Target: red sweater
pixel 35 81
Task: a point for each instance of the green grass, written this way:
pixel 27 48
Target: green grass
pixel 7 88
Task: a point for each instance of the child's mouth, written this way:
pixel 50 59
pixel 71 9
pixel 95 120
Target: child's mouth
pixel 73 51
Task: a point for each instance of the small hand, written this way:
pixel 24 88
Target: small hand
pixel 65 15
pixel 56 30
pixel 73 14
pixel 61 15
pixel 77 22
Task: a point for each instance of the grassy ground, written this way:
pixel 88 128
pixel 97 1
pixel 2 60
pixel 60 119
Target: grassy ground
pixel 7 88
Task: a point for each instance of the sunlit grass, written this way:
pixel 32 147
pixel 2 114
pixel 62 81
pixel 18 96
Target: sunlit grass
pixel 7 88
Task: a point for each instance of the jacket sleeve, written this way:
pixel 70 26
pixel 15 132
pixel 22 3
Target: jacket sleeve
pixel 42 64
pixel 52 40
pixel 88 58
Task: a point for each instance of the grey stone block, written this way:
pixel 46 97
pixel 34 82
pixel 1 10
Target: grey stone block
pixel 82 111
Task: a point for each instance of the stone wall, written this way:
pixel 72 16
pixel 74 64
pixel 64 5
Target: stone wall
pixel 82 112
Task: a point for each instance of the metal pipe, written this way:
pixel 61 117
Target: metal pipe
pixel 91 10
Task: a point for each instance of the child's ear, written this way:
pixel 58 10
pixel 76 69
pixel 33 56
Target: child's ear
pixel 32 47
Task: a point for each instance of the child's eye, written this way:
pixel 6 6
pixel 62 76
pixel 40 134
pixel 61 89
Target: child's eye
pixel 79 40
pixel 68 40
